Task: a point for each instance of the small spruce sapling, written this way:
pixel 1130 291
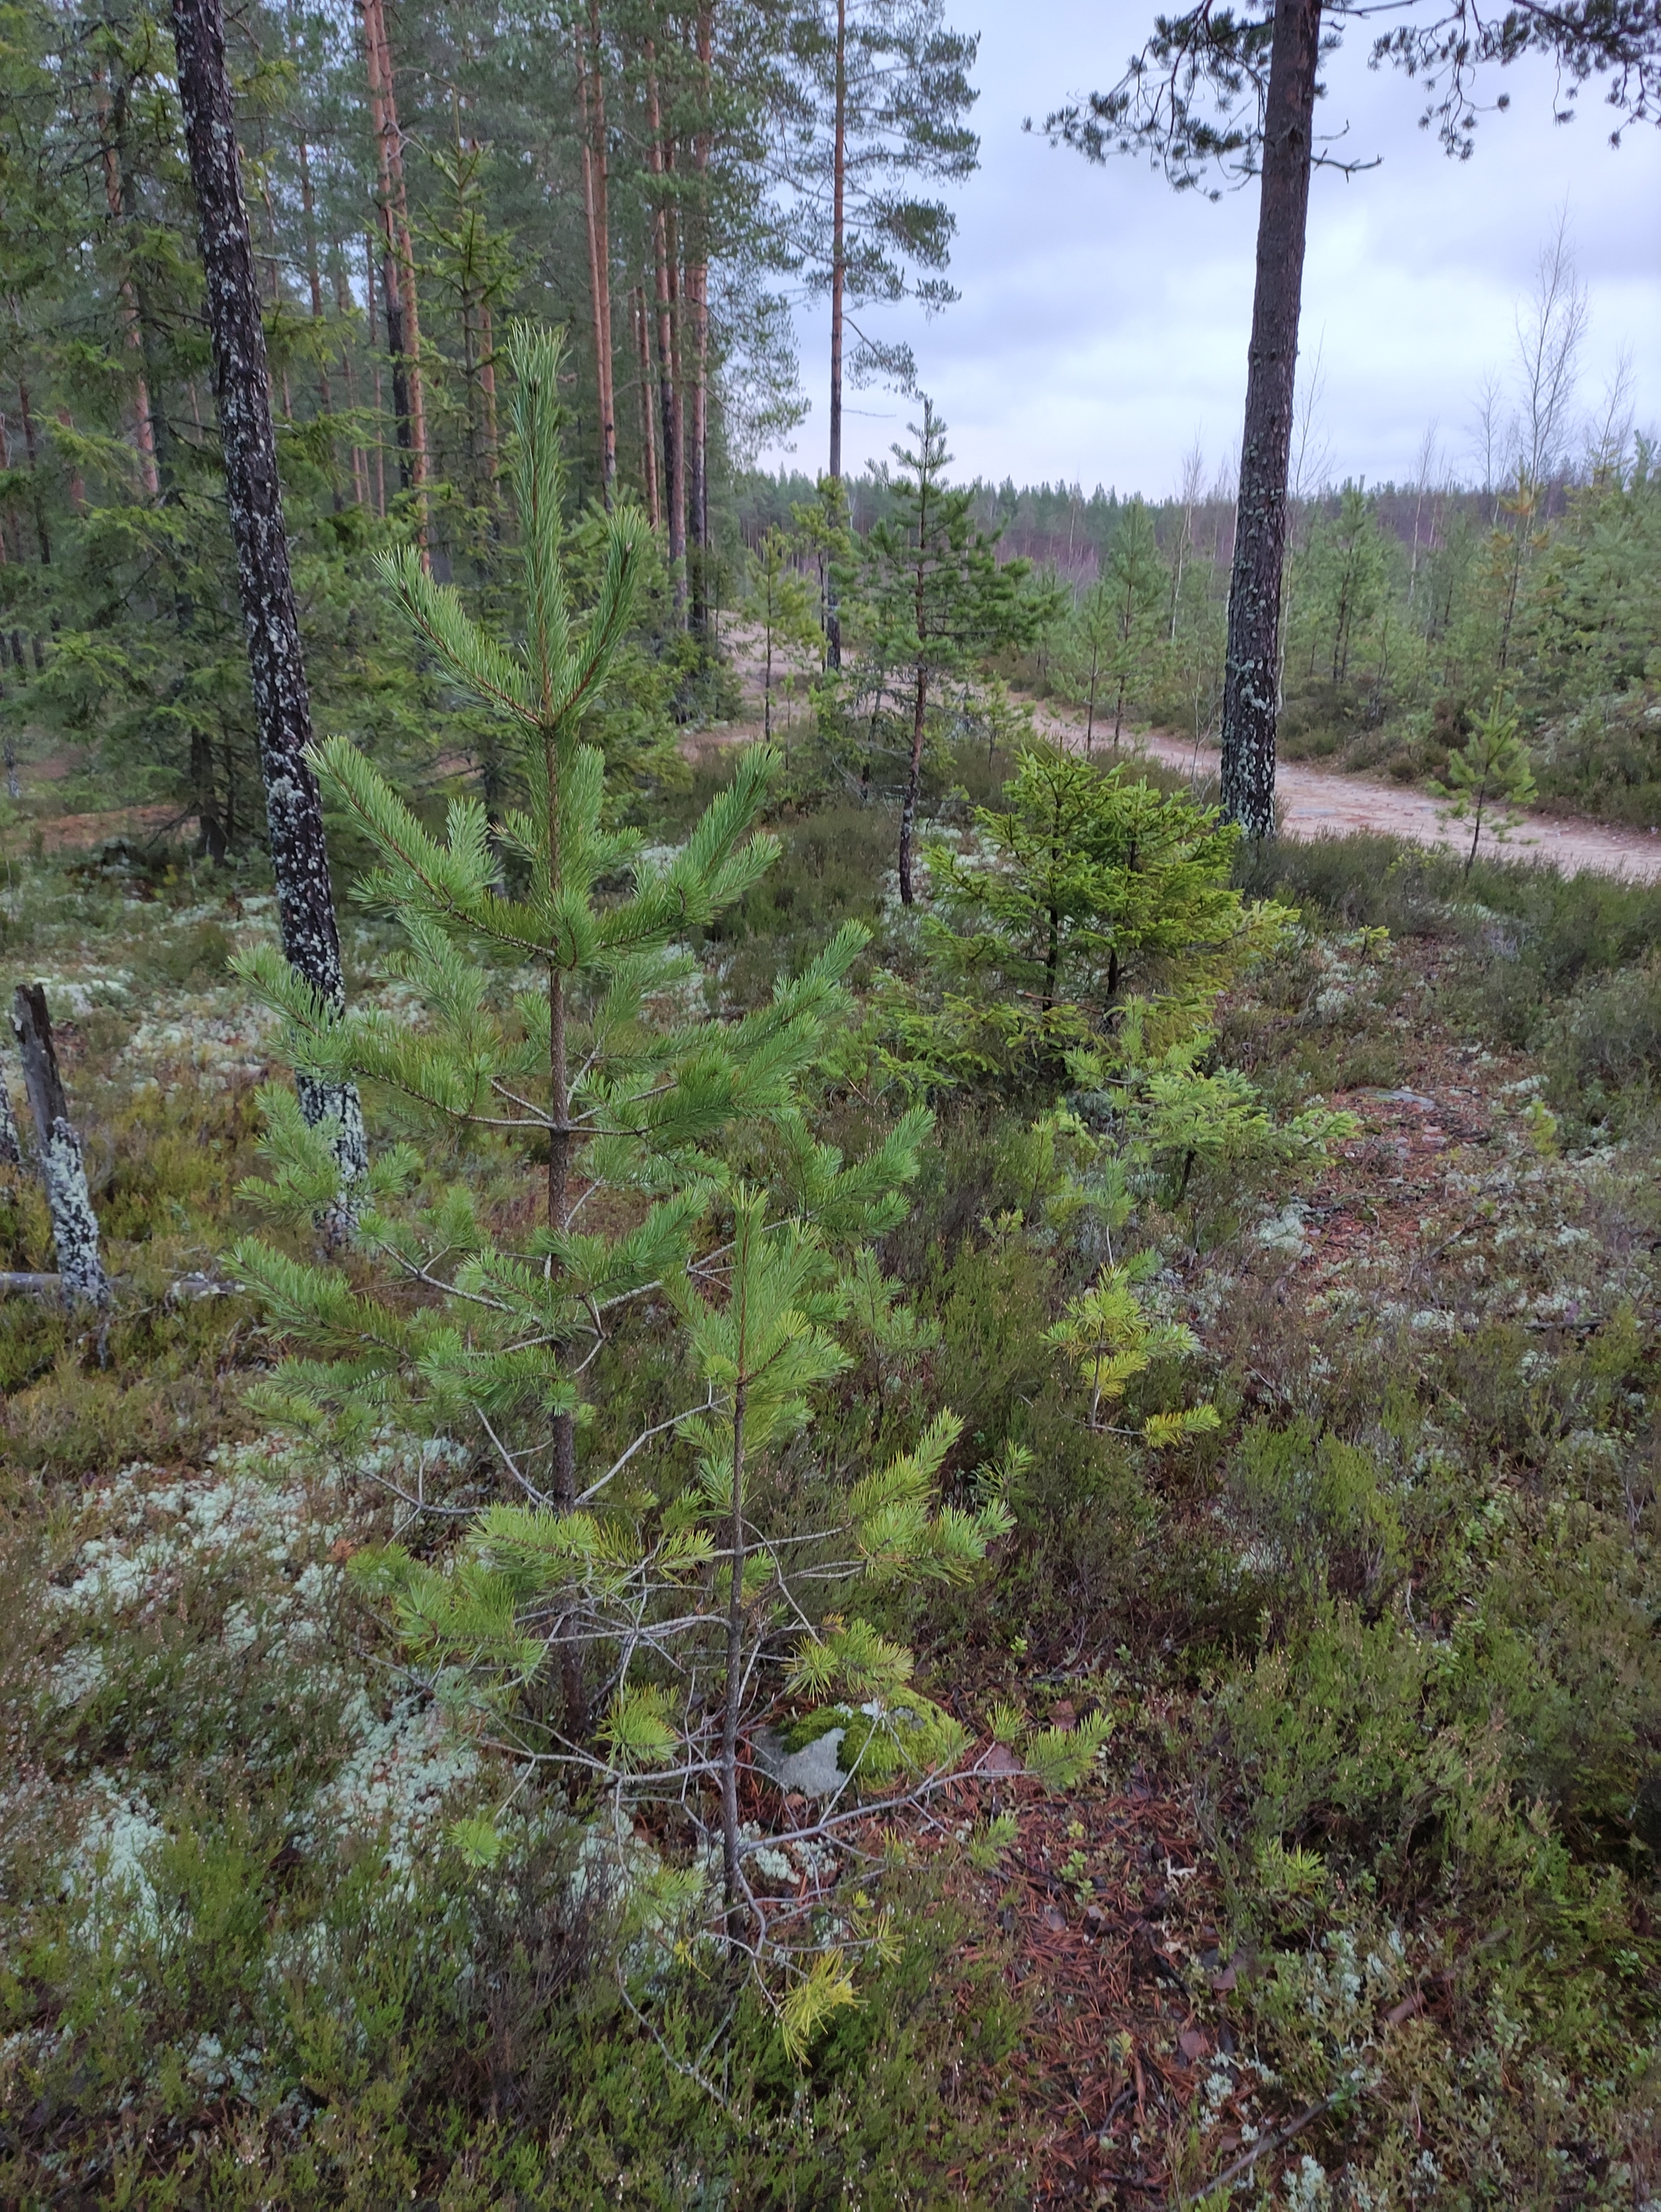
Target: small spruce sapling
pixel 1084 887
pixel 1489 777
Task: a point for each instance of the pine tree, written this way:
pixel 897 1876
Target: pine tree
pixel 1237 93
pixel 293 810
pixel 670 1608
pixel 935 600
pixel 876 101
pixel 1489 777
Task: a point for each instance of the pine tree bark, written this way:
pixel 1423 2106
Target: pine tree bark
pixel 674 463
pixel 294 806
pixel 697 302
pixel 1251 678
pixel 404 332
pixel 839 279
pixel 649 441
pixel 591 99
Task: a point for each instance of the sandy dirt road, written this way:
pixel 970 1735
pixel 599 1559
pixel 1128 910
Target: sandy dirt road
pixel 1317 802
pixel 1321 802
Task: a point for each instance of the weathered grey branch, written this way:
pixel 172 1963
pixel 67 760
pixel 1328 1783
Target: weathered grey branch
pixel 11 1150
pixel 58 1148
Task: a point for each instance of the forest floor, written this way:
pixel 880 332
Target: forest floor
pixel 1360 1908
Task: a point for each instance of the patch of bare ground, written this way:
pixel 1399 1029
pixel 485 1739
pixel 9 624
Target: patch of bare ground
pixel 1317 802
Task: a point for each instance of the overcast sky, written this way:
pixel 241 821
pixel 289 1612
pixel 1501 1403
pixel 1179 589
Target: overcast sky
pixel 1102 325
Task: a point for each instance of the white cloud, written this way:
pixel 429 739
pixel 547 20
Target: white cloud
pixel 1104 318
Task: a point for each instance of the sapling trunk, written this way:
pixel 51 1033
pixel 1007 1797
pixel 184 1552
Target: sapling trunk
pixel 909 810
pixel 729 1729
pixel 838 283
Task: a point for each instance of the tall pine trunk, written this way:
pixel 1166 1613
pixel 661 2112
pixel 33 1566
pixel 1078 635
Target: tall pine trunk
pixel 591 94
pixel 399 267
pixel 294 808
pixel 649 441
pixel 1252 681
pixel 697 302
pixel 838 278
pixel 674 461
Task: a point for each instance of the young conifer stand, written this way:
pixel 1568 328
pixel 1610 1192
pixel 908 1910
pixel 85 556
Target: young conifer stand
pixel 661 1582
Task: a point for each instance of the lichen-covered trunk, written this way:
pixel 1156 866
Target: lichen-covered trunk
pixel 294 805
pixel 1252 681
pixel 81 1276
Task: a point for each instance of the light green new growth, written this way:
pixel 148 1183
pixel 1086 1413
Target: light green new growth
pixel 1109 1337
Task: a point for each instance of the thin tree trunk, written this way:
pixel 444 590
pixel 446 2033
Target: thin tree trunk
pixel 729 1726
pixel 914 776
pixel 486 385
pixel 300 859
pixel 110 120
pixel 325 397
pixel 591 100
pixel 1250 688
pixel 674 467
pixel 648 439
pixel 375 375
pixel 563 1425
pixel 399 272
pixel 838 276
pixel 343 306
pixel 697 300
pixel 76 495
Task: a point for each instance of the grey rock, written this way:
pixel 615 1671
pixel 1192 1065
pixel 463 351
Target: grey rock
pixel 813 1771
